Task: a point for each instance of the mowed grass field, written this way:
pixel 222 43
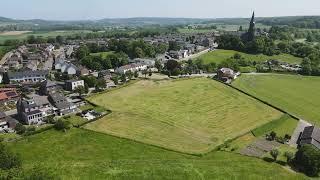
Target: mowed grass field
pixel 298 95
pixel 82 154
pixel 23 35
pixel 220 55
pixel 191 116
pixel 102 54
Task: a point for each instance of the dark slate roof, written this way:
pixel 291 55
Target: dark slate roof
pixel 27 74
pixel 33 112
pixel 56 97
pixel 63 105
pixel 311 135
pixel 311 132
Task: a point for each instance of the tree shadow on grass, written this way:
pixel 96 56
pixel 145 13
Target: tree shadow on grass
pixel 282 163
pixel 267 159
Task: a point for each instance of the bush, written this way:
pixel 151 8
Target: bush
pixel 275 153
pixel 20 129
pixel 289 156
pixel 62 125
pixel 307 159
pixel 8 160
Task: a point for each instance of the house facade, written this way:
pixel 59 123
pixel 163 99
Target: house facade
pixel 131 67
pixel 310 135
pixel 29 112
pixel 71 85
pixel 28 77
pixel 62 106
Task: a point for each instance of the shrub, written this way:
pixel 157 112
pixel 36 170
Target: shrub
pixel 8 160
pixel 289 156
pixel 307 159
pixel 20 129
pixel 274 153
pixel 62 125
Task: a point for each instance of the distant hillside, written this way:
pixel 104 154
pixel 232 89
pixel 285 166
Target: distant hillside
pixel 312 22
pixel 7 24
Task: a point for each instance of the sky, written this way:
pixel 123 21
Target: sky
pixel 99 9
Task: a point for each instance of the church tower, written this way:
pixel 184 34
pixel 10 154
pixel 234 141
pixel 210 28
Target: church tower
pixel 252 29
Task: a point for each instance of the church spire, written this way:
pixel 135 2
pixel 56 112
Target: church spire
pixel 251 31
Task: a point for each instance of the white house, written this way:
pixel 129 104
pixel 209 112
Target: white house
pixel 73 84
pixel 66 67
pixel 131 67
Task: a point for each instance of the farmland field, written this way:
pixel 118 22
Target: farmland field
pixel 298 95
pixel 192 116
pixel 220 55
pixel 102 54
pixel 83 154
pixel 24 35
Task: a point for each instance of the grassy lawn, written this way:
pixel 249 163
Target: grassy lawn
pixel 22 36
pixel 220 55
pixel 82 154
pixel 102 54
pixel 192 116
pixel 298 95
pixel 4 50
pixel 284 125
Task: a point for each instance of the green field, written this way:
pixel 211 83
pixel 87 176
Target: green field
pixel 298 95
pixel 192 116
pixel 4 50
pixel 221 55
pixel 284 125
pixel 3 38
pixel 102 54
pixel 82 154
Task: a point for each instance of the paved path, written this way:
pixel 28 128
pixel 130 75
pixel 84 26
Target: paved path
pixel 295 136
pixel 194 55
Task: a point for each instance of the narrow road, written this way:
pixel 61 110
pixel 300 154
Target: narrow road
pixel 195 55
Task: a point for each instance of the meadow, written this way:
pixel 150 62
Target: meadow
pixel 299 95
pixel 102 54
pixel 84 154
pixel 192 116
pixel 24 35
pixel 221 55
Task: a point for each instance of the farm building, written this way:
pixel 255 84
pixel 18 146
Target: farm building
pixel 227 75
pixel 310 135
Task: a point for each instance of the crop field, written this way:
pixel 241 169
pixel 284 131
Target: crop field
pixel 82 154
pixel 102 54
pixel 221 55
pixel 192 116
pixel 298 95
pixel 24 34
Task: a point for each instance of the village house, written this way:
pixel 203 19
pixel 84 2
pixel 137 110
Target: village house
pixel 47 87
pixel 131 67
pixel 71 85
pixel 62 106
pixel 310 135
pixel 6 122
pixel 227 75
pixel 8 95
pixel 148 62
pixel 66 67
pixel 29 112
pixel 28 77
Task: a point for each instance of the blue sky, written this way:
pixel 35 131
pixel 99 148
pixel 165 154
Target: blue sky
pixel 97 9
